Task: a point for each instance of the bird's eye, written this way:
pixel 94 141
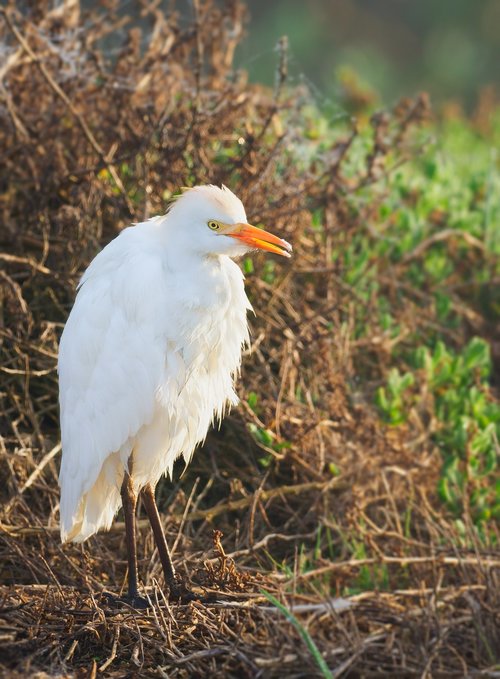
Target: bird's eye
pixel 212 224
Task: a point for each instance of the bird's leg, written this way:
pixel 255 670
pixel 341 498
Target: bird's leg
pixel 176 589
pixel 129 501
pixel 148 497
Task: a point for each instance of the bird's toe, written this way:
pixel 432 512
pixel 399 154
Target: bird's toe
pixel 133 600
pixel 136 601
pixel 179 592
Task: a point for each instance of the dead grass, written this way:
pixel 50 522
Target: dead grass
pixel 88 144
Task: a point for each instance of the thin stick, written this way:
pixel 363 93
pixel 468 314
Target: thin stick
pixel 62 95
pixel 32 477
pixel 39 468
pixel 208 514
pixel 108 662
pixel 484 562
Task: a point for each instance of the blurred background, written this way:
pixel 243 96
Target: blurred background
pixel 385 49
pixel 450 48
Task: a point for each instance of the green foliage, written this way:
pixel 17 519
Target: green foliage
pixel 265 438
pixel 419 269
pixel 390 400
pixel 468 425
pixel 454 388
pixel 253 400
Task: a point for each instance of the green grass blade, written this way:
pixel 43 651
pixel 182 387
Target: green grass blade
pixel 314 650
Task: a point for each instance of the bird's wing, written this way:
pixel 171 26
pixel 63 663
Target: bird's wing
pixel 111 362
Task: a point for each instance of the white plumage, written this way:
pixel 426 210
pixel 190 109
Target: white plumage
pixel 150 351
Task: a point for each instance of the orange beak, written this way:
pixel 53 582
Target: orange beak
pixel 258 238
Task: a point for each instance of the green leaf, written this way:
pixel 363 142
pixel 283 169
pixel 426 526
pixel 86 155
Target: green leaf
pixel 252 400
pixel 248 267
pixel 477 355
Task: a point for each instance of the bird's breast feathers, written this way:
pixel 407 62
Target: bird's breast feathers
pixel 146 344
pixel 211 330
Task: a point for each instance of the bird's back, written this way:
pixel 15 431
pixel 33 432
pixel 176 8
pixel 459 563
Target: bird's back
pixel 146 361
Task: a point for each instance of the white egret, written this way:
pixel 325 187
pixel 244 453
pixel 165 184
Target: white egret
pixel 147 361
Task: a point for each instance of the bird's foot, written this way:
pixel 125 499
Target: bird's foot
pixel 136 601
pixel 132 599
pixel 177 591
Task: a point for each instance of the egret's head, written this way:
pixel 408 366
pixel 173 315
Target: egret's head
pixel 212 220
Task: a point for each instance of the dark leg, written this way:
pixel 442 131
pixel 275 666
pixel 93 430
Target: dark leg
pixel 176 589
pixel 129 500
pixel 148 497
